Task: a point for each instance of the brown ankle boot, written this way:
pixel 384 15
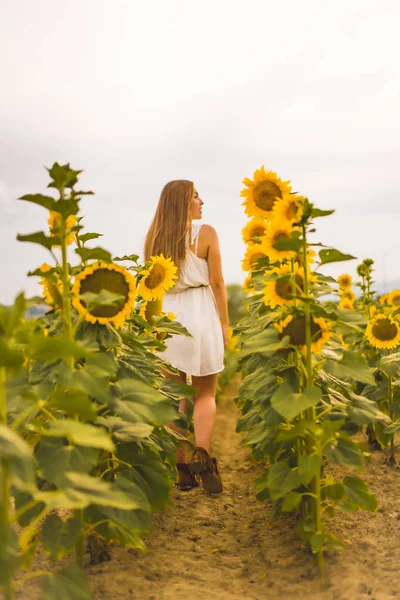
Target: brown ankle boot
pixel 186 478
pixel 206 466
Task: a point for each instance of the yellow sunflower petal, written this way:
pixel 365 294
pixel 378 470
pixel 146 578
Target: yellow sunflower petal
pixel 289 208
pixel 255 228
pixel 252 255
pixel 278 230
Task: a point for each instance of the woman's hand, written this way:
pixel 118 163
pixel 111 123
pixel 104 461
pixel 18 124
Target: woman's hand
pixel 225 333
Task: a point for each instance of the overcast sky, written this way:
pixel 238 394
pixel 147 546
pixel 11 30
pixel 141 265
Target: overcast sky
pixel 138 93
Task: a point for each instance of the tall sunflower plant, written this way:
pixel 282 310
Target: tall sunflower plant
pixel 379 343
pixel 86 452
pixel 297 396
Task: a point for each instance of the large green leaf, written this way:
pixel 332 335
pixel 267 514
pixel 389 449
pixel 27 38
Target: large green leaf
pixel 309 466
pixel 357 491
pixel 67 207
pixel 291 501
pixel 290 404
pixel 282 479
pixel 55 458
pixel 94 254
pixel 345 452
pixel 59 536
pixel 68 584
pixel 265 342
pixel 332 255
pixel 123 431
pixel 351 366
pixel 361 410
pixel 45 201
pixel 16 452
pixel 40 238
pixel 97 491
pixel 55 348
pixel 75 403
pixel 81 434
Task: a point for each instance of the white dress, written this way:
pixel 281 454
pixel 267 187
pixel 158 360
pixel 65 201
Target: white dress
pixel 192 302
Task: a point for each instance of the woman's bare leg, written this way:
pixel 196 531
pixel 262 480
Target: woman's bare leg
pixel 204 409
pixel 182 455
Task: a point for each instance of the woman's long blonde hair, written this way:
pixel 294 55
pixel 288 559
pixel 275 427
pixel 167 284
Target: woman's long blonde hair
pixel 171 223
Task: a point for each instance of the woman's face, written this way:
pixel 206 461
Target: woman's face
pixel 196 206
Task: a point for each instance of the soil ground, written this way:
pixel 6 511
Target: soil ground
pixel 225 547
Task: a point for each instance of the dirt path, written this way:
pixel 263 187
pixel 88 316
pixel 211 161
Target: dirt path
pixel 224 547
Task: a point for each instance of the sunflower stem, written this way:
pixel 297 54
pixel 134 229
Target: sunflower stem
pixel 5 479
pixel 315 500
pixel 392 459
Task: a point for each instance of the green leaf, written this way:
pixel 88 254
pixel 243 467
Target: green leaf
pixel 291 501
pixel 363 411
pixel 357 491
pixel 40 238
pixel 93 490
pixel 317 212
pixel 293 243
pixel 68 584
pixel 59 536
pixel 345 452
pixel 16 452
pixel 290 404
pixel 392 428
pixel 66 207
pixel 334 491
pixel 75 403
pixel 123 431
pixel 55 348
pixel 332 255
pixel 94 254
pixel 55 458
pixel 130 257
pixel 282 479
pixel 85 237
pixel 10 358
pixel 351 366
pixel 103 298
pixel 62 176
pixel 309 466
pixel 265 342
pixel 80 434
pixel 45 201
pixel 317 542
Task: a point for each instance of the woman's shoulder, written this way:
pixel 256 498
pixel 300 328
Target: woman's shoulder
pixel 208 231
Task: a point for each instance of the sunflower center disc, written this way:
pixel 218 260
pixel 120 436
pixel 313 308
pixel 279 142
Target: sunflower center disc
pixel 258 231
pixel 296 330
pixel 265 195
pixel 155 277
pixel 254 257
pixel 384 330
pixel 104 279
pixel 286 287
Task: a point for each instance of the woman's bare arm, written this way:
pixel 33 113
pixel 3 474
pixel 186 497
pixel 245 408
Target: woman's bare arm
pixel 216 278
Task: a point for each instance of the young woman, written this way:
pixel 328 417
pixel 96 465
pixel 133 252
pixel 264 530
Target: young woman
pixel 198 299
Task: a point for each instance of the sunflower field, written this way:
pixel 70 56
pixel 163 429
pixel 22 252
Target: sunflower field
pixel 86 453
pixel 320 371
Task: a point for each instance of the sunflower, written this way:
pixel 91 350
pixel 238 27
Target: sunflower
pixel 277 231
pixel 383 332
pixel 393 298
pixel 54 222
pixel 159 277
pixel 253 253
pixel 262 192
pixel 248 284
pixel 289 208
pixel 346 303
pixel 345 281
pixel 294 327
pixel 111 278
pixel 255 228
pixel 384 299
pixel 151 309
pixel 52 286
pixel 348 294
pixel 287 284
